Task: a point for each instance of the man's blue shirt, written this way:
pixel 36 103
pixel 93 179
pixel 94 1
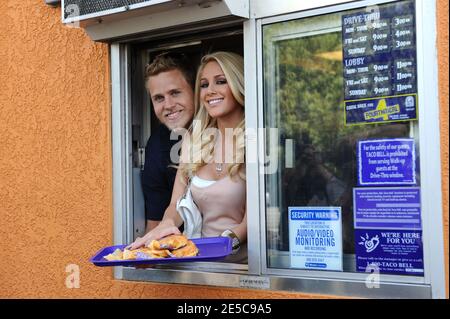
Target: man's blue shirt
pixel 158 176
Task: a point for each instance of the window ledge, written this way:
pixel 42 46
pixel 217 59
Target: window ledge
pixel 239 278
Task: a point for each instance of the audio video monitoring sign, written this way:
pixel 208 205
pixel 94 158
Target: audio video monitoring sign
pixel 380 71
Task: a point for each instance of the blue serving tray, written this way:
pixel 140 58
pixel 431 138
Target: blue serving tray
pixel 209 249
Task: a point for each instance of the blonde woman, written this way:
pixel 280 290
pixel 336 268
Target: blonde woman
pixel 212 159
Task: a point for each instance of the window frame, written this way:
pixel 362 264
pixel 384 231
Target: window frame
pixel 432 285
pixel 125 224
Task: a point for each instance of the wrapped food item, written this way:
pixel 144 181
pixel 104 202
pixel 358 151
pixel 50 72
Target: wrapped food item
pixel 170 242
pixel 187 251
pixel 170 246
pixel 116 255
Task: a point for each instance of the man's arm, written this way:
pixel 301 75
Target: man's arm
pixel 155 181
pixel 151 224
pixel 171 220
pixel 171 216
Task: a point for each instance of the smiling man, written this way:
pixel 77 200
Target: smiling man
pixel 169 80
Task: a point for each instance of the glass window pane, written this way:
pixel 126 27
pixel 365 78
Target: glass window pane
pixel 305 98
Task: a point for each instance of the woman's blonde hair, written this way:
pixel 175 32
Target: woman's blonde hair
pixel 232 66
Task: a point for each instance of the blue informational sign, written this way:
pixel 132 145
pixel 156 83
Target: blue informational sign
pixel 392 252
pixel 315 238
pixel 380 72
pixel 387 208
pixel 386 162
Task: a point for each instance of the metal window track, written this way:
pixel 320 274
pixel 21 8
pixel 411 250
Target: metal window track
pixel 53 3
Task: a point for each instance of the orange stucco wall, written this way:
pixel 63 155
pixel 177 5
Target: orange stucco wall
pixel 442 44
pixel 55 160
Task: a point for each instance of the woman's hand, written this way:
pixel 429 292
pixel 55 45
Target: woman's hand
pixel 162 230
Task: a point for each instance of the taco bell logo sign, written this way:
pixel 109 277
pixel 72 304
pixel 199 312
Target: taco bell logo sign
pixel 369 244
pixel 392 251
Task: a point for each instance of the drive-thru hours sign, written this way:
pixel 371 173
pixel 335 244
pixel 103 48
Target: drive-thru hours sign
pixel 315 238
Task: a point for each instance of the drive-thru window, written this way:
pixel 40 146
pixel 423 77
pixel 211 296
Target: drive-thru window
pixel 341 108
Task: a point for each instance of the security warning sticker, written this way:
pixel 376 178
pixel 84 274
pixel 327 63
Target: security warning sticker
pixel 315 238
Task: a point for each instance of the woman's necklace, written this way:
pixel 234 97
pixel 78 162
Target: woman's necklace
pixel 219 168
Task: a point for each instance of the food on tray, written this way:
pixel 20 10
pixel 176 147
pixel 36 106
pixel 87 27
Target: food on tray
pixel 170 246
pixel 170 242
pixel 116 255
pixel 187 251
pixel 155 253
